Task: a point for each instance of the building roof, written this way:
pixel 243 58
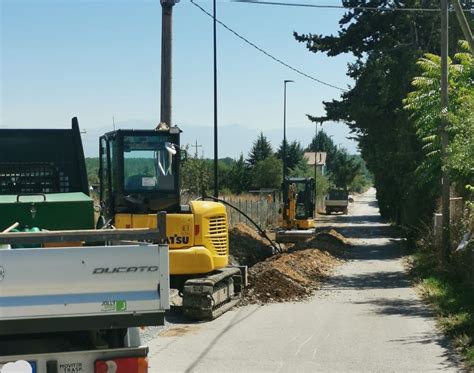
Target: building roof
pixel 320 158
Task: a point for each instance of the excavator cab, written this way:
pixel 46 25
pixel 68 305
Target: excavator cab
pixel 298 200
pixel 139 171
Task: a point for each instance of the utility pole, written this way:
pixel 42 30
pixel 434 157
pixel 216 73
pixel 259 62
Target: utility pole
pixel 315 168
pixel 285 82
pixel 315 155
pixel 316 164
pixel 445 182
pixel 166 59
pixel 196 146
pixel 464 24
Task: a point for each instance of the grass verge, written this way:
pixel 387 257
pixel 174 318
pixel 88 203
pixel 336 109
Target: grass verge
pixel 452 297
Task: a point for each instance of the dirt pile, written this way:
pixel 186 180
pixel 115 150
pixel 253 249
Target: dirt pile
pixel 330 240
pixel 289 276
pixel 247 247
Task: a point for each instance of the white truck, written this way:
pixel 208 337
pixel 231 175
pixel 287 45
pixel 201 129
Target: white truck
pixel 337 201
pixel 78 309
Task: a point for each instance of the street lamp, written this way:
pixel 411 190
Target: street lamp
pixel 284 127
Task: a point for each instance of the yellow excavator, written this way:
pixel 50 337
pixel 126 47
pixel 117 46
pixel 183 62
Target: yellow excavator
pixel 139 178
pixel 297 215
pixel 298 203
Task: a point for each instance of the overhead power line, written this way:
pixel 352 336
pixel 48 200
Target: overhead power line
pixel 362 7
pixel 268 54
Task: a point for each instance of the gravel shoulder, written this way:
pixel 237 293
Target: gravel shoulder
pixel 365 318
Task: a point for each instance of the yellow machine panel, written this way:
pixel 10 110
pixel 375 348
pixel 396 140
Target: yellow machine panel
pixel 305 224
pixel 198 241
pixel 179 227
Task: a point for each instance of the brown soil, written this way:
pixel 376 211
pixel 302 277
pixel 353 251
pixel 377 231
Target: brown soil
pixel 329 240
pixel 247 247
pixel 289 276
pixel 297 274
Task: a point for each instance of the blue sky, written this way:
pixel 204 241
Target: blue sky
pixel 98 59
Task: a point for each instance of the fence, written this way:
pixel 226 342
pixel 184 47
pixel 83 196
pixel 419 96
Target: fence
pixel 264 213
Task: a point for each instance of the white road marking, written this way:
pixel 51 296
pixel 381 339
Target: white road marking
pixel 302 345
pixel 316 349
pixel 295 337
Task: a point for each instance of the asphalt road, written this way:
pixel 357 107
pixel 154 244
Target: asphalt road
pixel 366 318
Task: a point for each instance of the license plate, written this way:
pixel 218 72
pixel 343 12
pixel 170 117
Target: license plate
pixel 32 365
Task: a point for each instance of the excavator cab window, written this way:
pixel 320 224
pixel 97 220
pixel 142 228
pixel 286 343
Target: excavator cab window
pixel 148 163
pixel 304 194
pixel 301 201
pixel 139 171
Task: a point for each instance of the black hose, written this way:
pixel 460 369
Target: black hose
pixel 278 250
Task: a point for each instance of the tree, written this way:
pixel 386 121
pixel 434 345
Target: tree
pixel 386 46
pixel 323 143
pixel 294 154
pixel 196 176
pixel 261 149
pixel 344 170
pixel 363 179
pixel 267 173
pixel 92 166
pixel 424 105
pixel 239 176
pixel 224 167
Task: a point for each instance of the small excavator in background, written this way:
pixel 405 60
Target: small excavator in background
pixel 298 200
pixel 297 222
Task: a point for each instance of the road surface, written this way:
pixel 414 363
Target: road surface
pixel 366 318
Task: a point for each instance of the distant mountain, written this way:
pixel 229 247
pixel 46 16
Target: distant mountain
pixel 234 139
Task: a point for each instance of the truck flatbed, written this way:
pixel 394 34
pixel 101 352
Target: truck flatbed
pixel 82 288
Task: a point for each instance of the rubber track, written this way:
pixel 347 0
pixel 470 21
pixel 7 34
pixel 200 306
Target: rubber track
pixel 202 314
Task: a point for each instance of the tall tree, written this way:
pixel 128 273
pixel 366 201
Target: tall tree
pixel 322 142
pixel 261 149
pixel 345 169
pixel 239 176
pixel 386 45
pixel 294 154
pixel 267 173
